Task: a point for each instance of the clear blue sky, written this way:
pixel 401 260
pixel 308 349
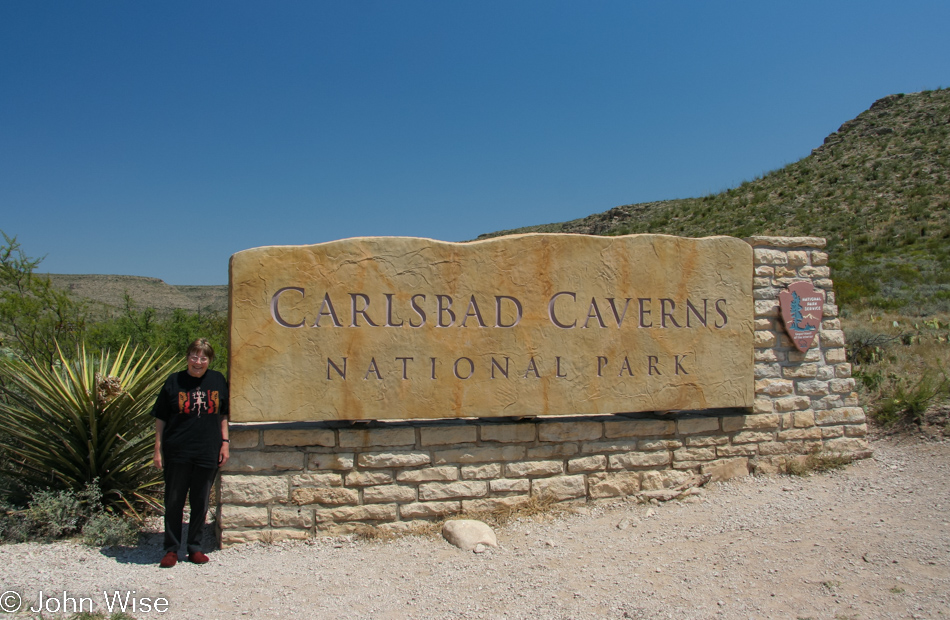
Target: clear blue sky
pixel 158 138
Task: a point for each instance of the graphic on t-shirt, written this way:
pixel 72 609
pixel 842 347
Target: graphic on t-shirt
pixel 198 401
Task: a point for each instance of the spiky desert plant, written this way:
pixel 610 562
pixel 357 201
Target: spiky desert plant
pixel 84 419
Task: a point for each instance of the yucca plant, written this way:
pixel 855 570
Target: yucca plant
pixel 84 419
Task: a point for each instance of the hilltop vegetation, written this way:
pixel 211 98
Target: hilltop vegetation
pixel 877 189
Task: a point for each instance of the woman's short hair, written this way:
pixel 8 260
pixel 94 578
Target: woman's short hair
pixel 201 346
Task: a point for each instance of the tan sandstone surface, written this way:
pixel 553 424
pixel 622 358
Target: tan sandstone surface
pixel 867 542
pixel 540 324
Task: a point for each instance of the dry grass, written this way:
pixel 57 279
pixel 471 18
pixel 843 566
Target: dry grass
pixel 817 461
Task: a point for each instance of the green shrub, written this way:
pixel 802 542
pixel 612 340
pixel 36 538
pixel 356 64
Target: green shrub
pixel 109 530
pixel 907 404
pixel 81 421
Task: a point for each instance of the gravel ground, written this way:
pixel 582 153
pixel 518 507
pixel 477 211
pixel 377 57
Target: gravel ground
pixel 871 541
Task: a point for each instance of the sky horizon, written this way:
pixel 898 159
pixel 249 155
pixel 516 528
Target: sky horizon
pixel 158 140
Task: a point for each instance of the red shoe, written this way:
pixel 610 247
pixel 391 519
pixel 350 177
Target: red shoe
pixel 197 558
pixel 170 559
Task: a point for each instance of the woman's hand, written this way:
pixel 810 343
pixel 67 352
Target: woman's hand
pixel 224 454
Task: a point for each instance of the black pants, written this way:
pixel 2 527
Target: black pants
pixel 183 479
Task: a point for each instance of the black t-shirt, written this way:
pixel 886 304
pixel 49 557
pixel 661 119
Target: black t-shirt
pixel 191 408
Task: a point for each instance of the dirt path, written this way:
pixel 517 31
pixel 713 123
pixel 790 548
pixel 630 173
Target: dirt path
pixel 868 542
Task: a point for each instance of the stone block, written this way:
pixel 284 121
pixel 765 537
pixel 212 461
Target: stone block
pixel 830 432
pixel 429 510
pixel 656 480
pixel 835 356
pixel 842 386
pixel 774 387
pixel 526 469
pixel 377 437
pixel 554 450
pixel 832 338
pixel 830 324
pixel 492 504
pixel 560 488
pixel 633 460
pixel 753 437
pixel 389 493
pixel 238 489
pixel 570 431
pixel 481 472
pixel 764 339
pixel 786 447
pixel 843 371
pixel 649 445
pixel 613 484
pixel 767 355
pixel 587 464
pixel 802 371
pixel 487 454
pixel 842 415
pixel 694 454
pixel 819 258
pixel 692 426
pixel 241 439
pixel 762 256
pixel 291 517
pixel 763 405
pixel 615 429
pixel 856 430
pixel 253 461
pixel 761 282
pixel 508 433
pixel 797 258
pixel 825 373
pixel 305 437
pixel 731 451
pixel 824 283
pixel 452 490
pixel 243 516
pixel 766 308
pixel 765 293
pixel 444 473
pixel 766 371
pixel 393 459
pixel 792 403
pixel 704 441
pixel 373 512
pixel 341 461
pixel 367 478
pixel 234 537
pixel 830 310
pixel 448 435
pixel 329 496
pixel 796 357
pixel 726 469
pixel 803 419
pixel 766 271
pixel 730 424
pixel 814 272
pixel 507 485
pixel 799 434
pixel 813 388
pixel 323 480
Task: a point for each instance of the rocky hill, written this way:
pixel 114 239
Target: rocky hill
pixel 877 189
pixel 108 294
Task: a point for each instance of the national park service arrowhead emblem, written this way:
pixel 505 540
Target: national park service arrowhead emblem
pixel 801 312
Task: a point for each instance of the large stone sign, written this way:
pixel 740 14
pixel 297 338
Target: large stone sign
pixel 395 328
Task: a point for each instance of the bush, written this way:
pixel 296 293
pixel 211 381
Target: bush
pixel 109 530
pixel 908 403
pixel 81 421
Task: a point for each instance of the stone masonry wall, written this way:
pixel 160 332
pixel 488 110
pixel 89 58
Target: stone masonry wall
pixel 296 480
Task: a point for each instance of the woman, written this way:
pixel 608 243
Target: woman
pixel 191 442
